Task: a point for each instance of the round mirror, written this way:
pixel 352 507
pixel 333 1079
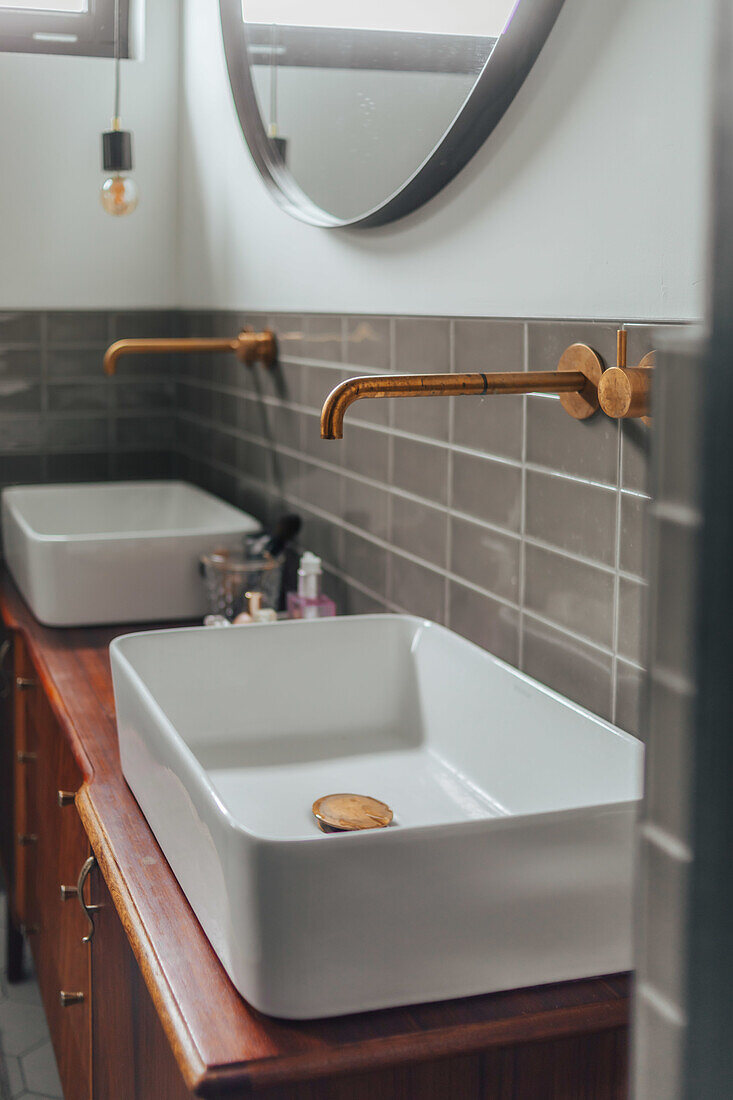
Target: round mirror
pixel 358 113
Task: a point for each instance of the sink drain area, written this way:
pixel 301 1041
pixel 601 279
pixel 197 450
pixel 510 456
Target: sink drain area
pixel 348 813
pixel 279 801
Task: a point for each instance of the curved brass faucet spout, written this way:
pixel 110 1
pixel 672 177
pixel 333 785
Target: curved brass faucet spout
pixel 566 381
pixel 248 346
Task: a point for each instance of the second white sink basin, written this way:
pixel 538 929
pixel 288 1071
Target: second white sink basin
pixel 115 552
pixel 509 862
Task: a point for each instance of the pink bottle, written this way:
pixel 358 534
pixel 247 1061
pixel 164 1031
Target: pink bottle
pixel 309 602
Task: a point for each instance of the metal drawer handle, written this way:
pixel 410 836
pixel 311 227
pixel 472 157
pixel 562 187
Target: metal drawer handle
pixel 24 682
pixel 66 798
pixel 24 839
pixel 70 998
pixel 69 892
pixel 26 757
pixel 88 909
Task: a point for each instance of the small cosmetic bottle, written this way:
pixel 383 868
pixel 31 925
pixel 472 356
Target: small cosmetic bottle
pixel 309 602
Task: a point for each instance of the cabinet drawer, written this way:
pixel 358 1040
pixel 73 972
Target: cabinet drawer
pixel 7 760
pixel 55 849
pixel 25 796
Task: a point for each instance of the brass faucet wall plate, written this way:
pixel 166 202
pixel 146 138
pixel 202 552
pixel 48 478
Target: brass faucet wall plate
pixel 579 357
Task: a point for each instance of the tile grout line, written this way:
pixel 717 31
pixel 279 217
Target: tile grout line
pixel 673 681
pixel 388 571
pixel 668 842
pixel 344 336
pixel 44 393
pixel 449 476
pixel 668 1010
pixel 111 403
pixel 616 580
pixel 607 322
pixel 336 571
pixel 523 511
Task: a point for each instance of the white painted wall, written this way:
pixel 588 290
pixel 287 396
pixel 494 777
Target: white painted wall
pixel 57 246
pixel 589 200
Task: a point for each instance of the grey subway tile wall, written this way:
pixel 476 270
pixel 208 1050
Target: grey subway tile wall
pixel 665 840
pixel 485 620
pixel 486 557
pixel 368 342
pixel 422 346
pixel 499 345
pixel 579 670
pixel 579 519
pixel 500 516
pixel 62 419
pixel 629 689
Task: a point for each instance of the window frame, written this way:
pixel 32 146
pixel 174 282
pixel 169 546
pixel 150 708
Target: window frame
pixel 92 31
pixel 339 48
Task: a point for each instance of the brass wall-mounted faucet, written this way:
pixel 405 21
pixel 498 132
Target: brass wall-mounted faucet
pixel 576 380
pixel 583 386
pixel 248 346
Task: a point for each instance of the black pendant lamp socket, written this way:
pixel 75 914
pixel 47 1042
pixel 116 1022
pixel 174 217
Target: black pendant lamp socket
pixel 117 151
pixel 119 192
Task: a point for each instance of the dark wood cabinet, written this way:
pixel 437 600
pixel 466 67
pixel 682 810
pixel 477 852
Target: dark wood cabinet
pixel 132 1056
pixel 24 753
pixel 50 849
pixel 149 1012
pixel 13 940
pixel 61 956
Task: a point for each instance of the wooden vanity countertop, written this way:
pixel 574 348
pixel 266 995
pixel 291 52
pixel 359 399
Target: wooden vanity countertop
pixel 219 1041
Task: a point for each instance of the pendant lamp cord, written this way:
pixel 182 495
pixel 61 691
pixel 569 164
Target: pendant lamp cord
pixel 117 65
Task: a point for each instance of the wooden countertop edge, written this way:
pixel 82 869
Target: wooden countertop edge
pixel 462 1039
pixel 187 1055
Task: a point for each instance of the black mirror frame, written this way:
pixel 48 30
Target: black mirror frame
pixel 501 78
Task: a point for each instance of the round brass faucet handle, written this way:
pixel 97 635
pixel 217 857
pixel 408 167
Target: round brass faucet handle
pixel 625 392
pixel 579 357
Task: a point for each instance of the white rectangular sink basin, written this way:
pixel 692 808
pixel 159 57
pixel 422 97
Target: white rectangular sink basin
pixel 117 552
pixel 509 861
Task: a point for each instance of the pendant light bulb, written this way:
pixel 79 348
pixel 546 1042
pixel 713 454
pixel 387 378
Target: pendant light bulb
pixel 119 192
pixel 119 195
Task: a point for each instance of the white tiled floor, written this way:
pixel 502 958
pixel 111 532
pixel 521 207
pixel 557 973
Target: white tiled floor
pixel 27 1064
